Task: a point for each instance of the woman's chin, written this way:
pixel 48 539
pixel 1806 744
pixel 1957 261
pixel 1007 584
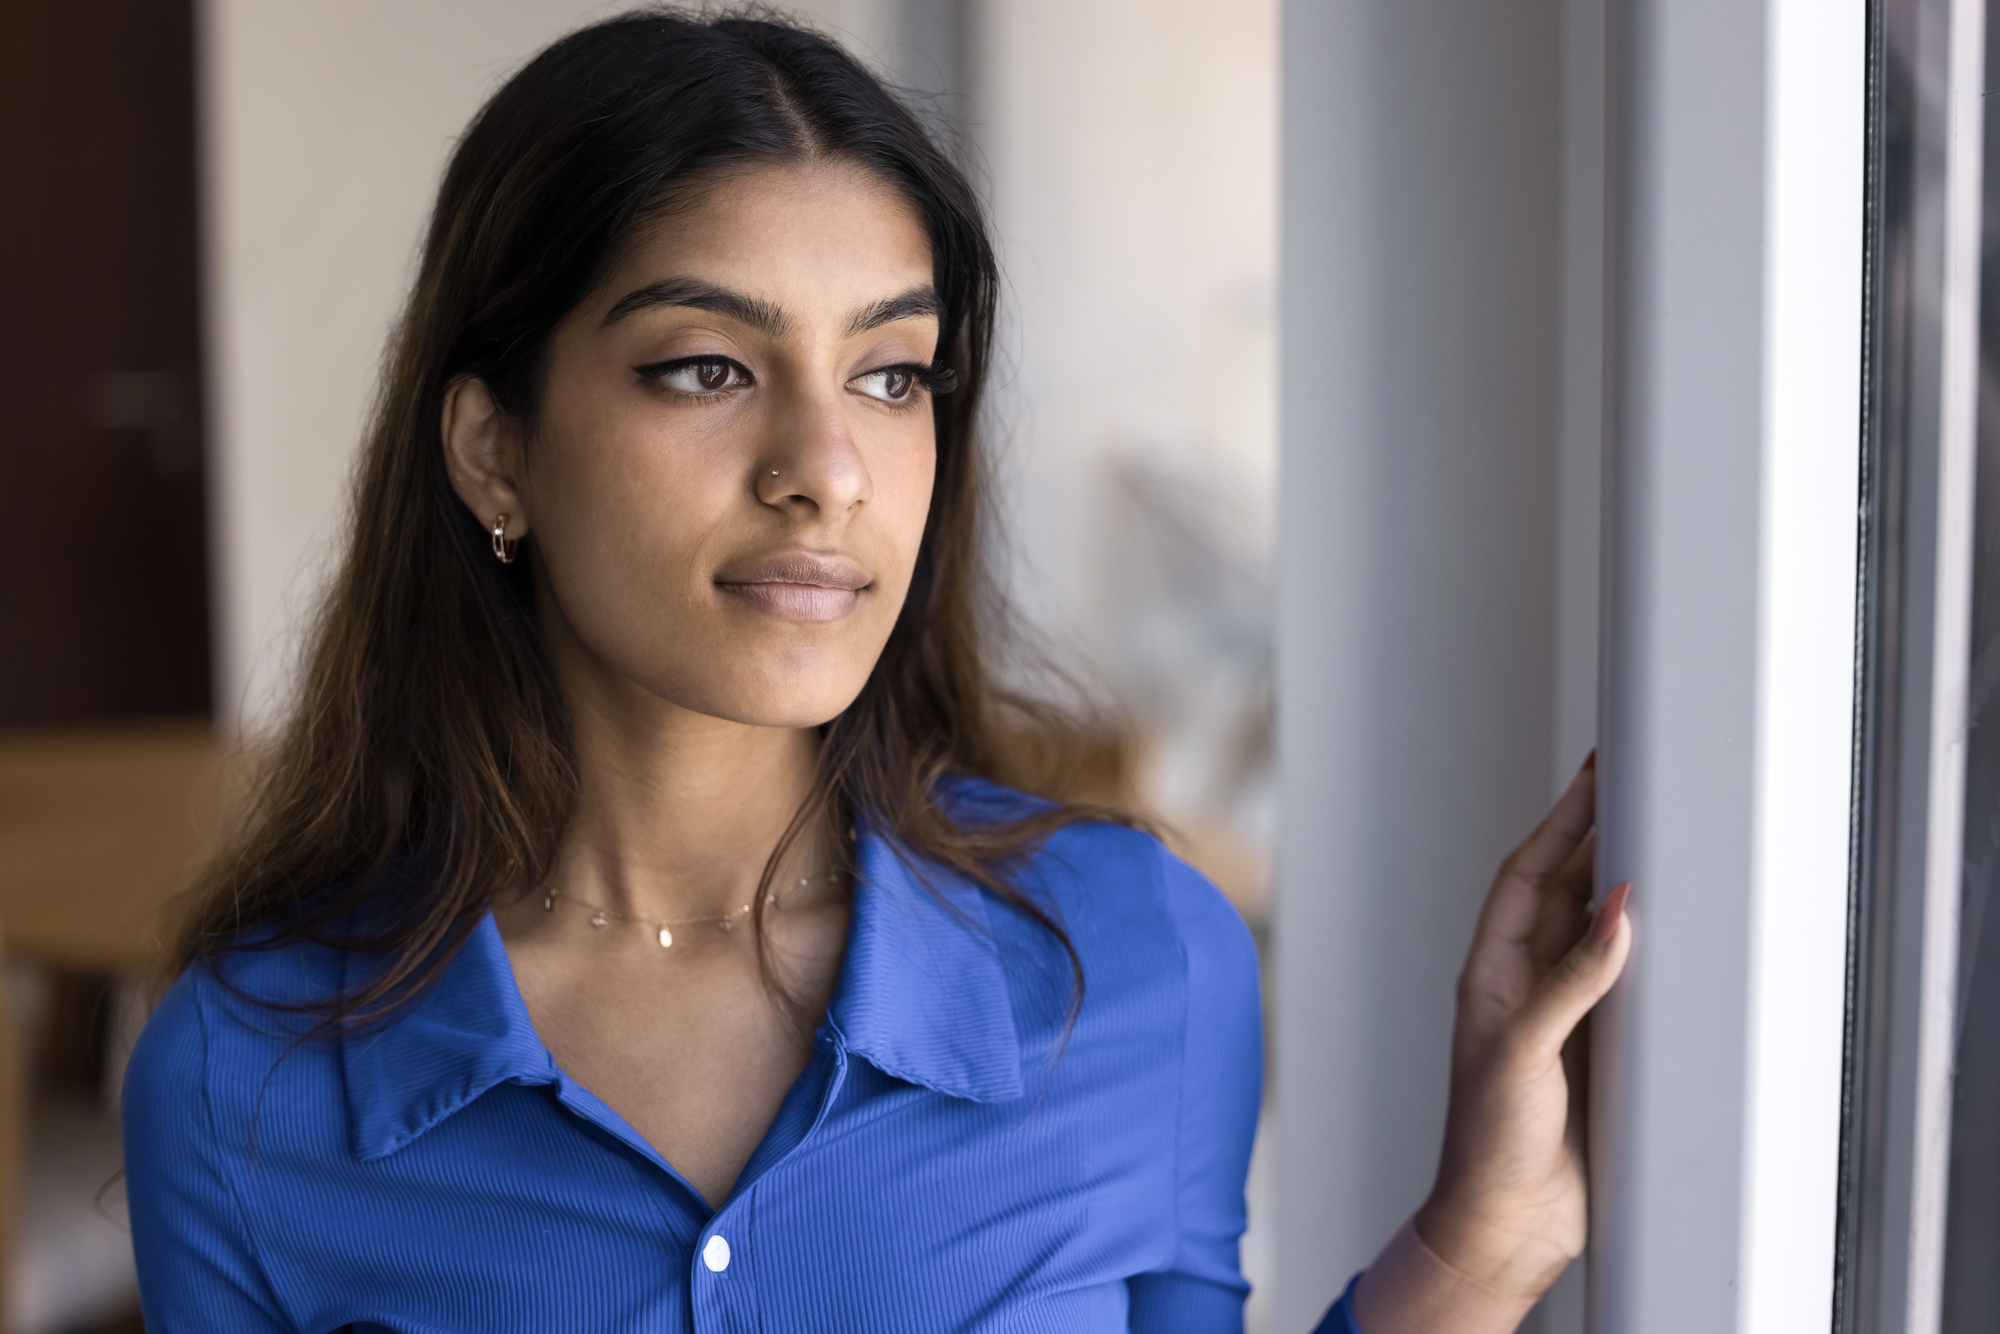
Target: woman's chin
pixel 770 697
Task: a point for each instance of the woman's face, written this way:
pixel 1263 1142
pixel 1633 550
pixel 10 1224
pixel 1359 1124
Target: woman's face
pixel 728 480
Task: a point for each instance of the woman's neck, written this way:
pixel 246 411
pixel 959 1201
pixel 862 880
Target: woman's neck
pixel 678 811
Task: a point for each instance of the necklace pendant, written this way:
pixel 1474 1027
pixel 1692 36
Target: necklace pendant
pixel 599 920
pixel 666 938
pixel 727 924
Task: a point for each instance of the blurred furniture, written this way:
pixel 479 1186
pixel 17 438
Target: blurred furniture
pixel 108 586
pixel 101 827
pixel 13 1115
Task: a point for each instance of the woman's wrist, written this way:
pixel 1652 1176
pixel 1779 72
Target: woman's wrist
pixel 1411 1289
pixel 1506 1259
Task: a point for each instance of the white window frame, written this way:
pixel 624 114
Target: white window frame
pixel 1732 533
pixel 1730 554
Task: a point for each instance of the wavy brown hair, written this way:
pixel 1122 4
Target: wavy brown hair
pixel 428 771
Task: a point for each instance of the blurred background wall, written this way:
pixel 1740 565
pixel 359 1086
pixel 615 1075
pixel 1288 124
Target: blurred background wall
pixel 1443 215
pixel 1132 151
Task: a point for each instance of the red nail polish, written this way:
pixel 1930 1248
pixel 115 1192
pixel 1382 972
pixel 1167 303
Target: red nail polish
pixel 1590 760
pixel 1605 925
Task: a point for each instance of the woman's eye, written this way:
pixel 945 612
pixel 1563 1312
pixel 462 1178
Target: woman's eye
pixel 703 375
pixel 894 385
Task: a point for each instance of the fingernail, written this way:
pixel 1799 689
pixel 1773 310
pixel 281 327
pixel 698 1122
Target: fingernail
pixel 1590 760
pixel 1605 925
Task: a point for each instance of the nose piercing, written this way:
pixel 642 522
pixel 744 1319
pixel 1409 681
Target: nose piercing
pixel 774 472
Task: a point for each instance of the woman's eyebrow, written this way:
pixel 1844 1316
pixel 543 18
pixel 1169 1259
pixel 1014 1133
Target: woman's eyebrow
pixel 760 315
pixel 917 301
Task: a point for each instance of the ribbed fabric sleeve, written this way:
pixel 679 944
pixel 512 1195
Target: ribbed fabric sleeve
pixel 197 1269
pixel 1220 1086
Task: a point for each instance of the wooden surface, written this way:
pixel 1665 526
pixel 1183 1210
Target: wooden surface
pixel 99 828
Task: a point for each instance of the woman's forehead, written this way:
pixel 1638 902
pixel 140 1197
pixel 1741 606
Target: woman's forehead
pixel 823 237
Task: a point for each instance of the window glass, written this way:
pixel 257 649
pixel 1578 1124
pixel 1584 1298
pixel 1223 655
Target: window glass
pixel 1972 1280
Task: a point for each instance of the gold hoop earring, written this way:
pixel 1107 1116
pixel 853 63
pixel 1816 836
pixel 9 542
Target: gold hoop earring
pixel 502 548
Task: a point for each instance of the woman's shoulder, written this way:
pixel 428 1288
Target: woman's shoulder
pixel 1118 886
pixel 1170 979
pixel 225 1029
pixel 1122 890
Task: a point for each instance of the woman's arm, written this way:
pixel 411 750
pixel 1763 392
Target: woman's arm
pixel 197 1271
pixel 1200 1288
pixel 1509 1208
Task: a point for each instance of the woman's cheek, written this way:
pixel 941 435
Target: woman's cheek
pixel 910 480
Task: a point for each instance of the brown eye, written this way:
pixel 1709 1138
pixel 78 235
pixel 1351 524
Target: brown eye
pixel 889 386
pixel 703 375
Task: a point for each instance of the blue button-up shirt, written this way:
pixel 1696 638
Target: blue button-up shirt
pixel 949 1160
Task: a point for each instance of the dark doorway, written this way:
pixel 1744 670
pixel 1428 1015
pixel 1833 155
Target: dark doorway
pixel 104 590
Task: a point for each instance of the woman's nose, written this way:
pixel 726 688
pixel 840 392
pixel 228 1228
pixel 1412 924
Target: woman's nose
pixel 815 464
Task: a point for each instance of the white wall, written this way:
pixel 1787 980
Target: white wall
pixel 1131 152
pixel 325 127
pixel 1580 467
pixel 1421 216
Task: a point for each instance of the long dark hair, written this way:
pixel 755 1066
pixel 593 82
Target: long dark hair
pixel 427 771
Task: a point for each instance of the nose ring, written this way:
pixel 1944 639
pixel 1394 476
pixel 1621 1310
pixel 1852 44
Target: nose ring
pixel 774 472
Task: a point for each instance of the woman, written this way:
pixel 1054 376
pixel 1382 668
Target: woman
pixel 634 930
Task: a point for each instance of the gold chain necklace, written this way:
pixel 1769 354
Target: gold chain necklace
pixel 602 916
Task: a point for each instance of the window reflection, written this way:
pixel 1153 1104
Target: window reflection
pixel 1972 1280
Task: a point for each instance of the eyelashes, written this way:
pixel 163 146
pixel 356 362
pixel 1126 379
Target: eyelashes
pixel 898 384
pixel 712 377
pixel 698 377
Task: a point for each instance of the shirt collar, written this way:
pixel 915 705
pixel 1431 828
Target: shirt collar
pixel 922 993
pixel 468 1031
pixel 922 996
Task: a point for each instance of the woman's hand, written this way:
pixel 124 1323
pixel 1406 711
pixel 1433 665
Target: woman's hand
pixel 1509 1209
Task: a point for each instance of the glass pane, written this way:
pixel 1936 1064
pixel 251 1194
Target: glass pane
pixel 1972 1276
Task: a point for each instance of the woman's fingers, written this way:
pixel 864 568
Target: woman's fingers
pixel 1556 837
pixel 1533 914
pixel 1564 908
pixel 1549 856
pixel 1578 981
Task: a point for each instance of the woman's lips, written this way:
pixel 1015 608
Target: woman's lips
pixel 796 602
pixel 797 585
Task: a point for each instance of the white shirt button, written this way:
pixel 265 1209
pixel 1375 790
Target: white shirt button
pixel 716 1254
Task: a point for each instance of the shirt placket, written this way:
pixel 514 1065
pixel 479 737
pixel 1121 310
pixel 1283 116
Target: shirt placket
pixel 722 1272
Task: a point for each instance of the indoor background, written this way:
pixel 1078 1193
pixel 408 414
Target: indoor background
pixel 210 212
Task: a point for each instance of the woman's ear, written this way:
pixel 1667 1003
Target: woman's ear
pixel 482 452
